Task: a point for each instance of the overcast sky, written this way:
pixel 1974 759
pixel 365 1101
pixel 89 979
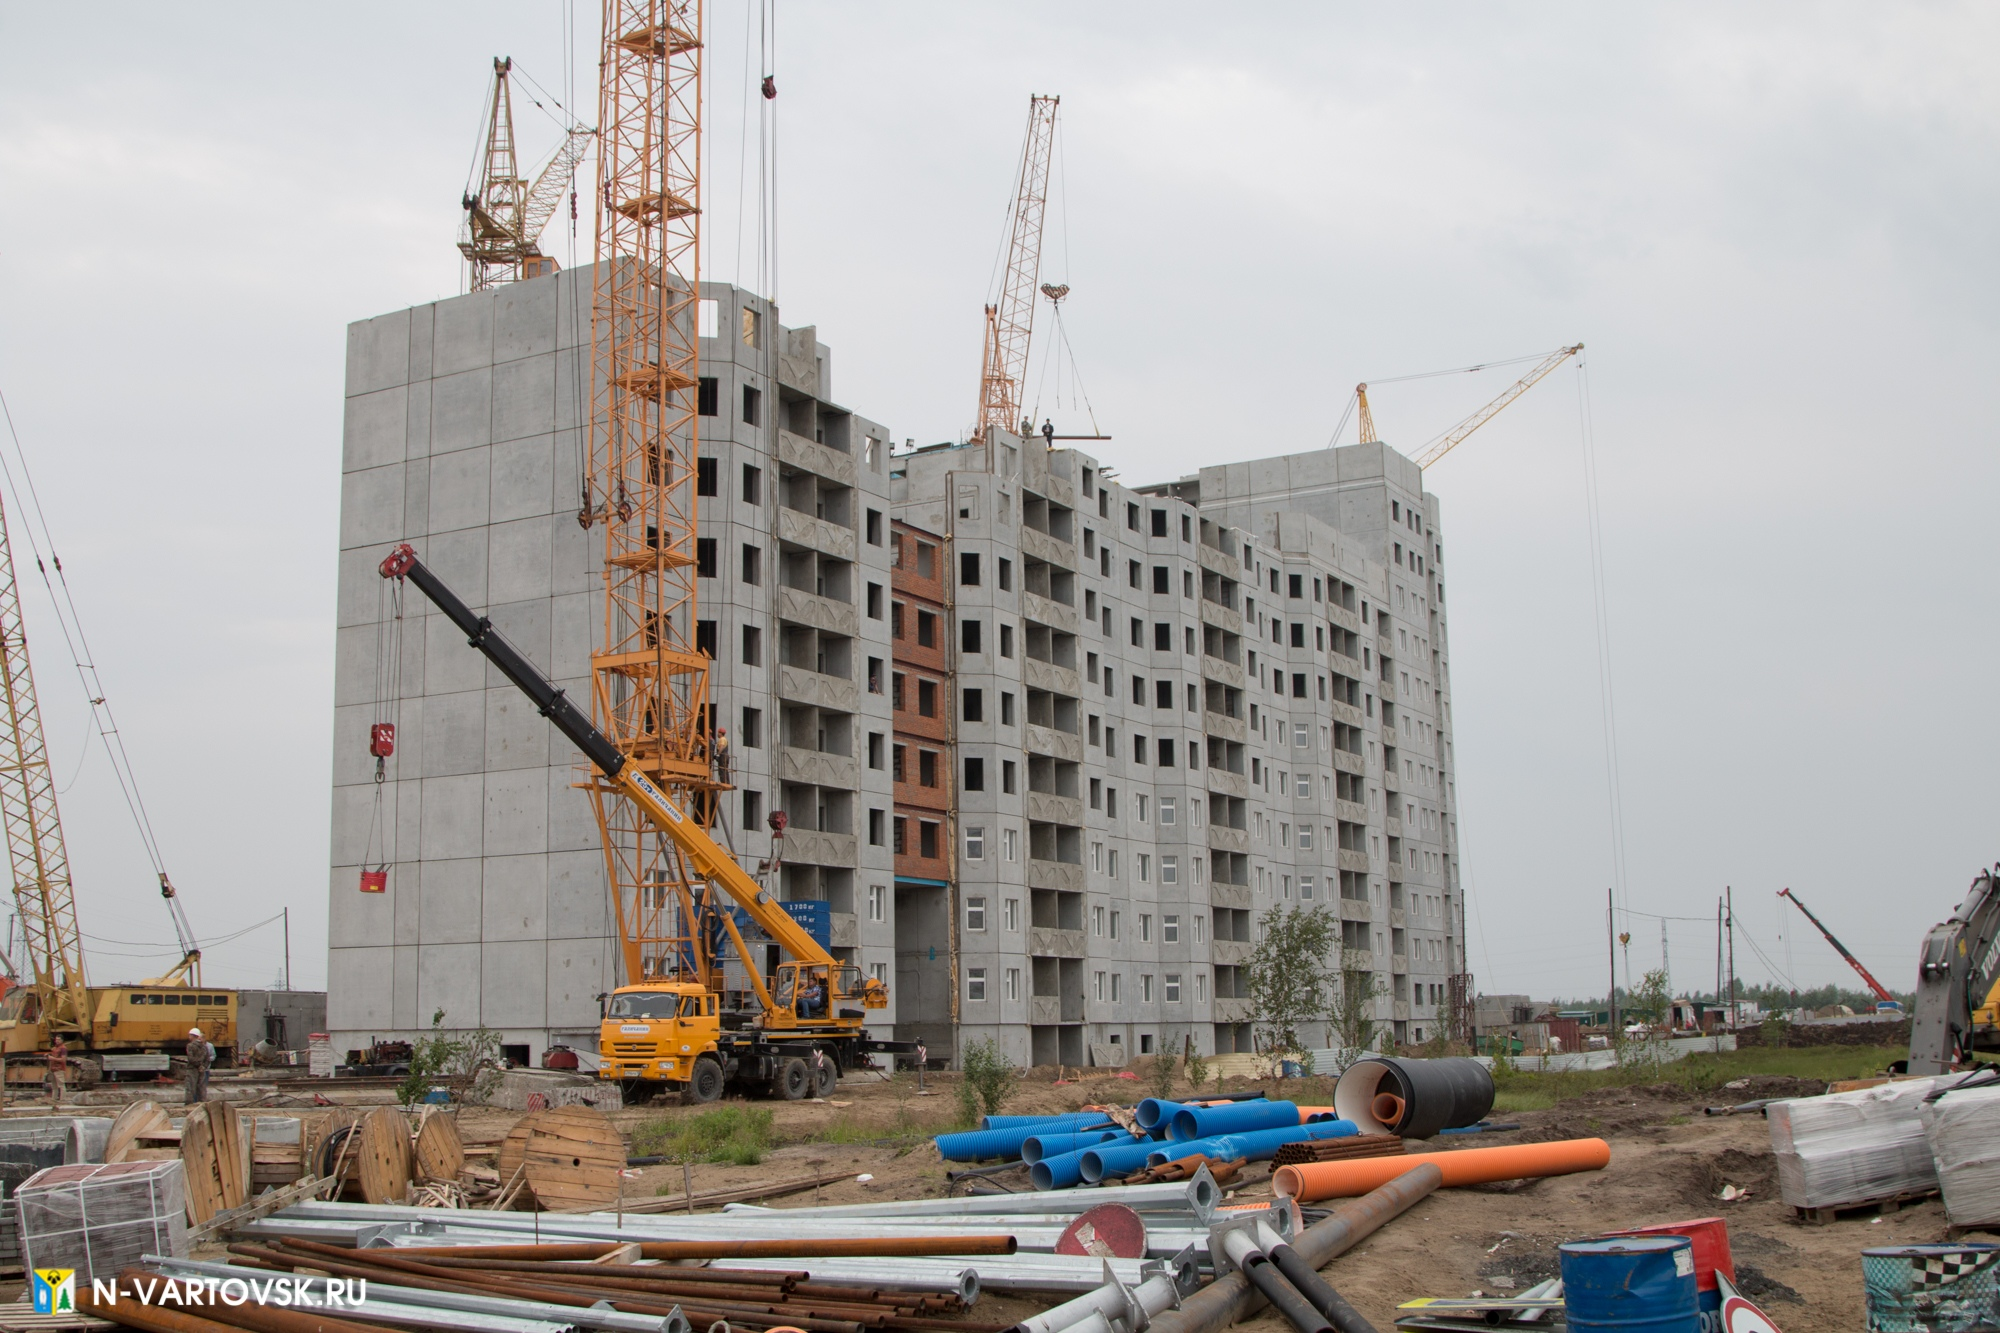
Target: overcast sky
pixel 1772 227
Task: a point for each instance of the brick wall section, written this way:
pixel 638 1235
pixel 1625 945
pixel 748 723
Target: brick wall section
pixel 919 561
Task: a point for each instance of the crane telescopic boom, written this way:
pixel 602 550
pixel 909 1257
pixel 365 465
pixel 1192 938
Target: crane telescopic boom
pixel 1881 991
pixel 706 858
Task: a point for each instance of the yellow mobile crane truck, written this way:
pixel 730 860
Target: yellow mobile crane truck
pixel 673 1031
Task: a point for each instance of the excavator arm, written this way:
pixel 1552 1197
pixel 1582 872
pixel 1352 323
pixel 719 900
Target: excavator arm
pixel 706 857
pixel 1959 967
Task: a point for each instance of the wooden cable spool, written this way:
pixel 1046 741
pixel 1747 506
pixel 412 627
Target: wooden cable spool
pixel 571 1157
pixel 143 1119
pixel 212 1153
pixel 440 1153
pixel 384 1156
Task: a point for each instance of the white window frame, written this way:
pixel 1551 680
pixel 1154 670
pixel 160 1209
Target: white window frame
pixel 975 842
pixel 975 985
pixel 1170 928
pixel 975 912
pixel 1170 988
pixel 1170 869
pixel 1013 982
pixel 878 895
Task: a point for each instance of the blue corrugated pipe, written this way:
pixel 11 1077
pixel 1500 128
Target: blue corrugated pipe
pixel 1071 1118
pixel 1109 1160
pixel 1037 1146
pixel 979 1144
pixel 1201 1122
pixel 1059 1172
pixel 1155 1113
pixel 1251 1145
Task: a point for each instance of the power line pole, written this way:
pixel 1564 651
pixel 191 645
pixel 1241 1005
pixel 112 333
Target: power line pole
pixel 1729 900
pixel 1611 939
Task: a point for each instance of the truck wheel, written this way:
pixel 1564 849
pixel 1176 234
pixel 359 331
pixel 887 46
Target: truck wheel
pixel 706 1085
pixel 794 1080
pixel 825 1076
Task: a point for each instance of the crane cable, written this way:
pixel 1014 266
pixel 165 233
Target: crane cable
pixel 70 620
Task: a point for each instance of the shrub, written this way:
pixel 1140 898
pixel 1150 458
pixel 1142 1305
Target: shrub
pixel 989 1074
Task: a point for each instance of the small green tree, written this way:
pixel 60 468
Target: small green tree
pixel 1291 982
pixel 473 1054
pixel 1353 1017
pixel 1653 1000
pixel 988 1073
pixel 1197 1069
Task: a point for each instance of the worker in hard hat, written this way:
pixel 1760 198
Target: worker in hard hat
pixel 199 1054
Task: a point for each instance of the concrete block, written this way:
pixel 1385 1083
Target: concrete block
pixel 450 912
pixel 463 333
pixel 578 902
pixel 524 397
pixel 416 499
pixel 574 294
pixel 514 900
pixel 359 983
pixel 374 429
pixel 450 664
pixel 576 553
pixel 417 420
pixel 448 979
pixel 453 734
pixel 524 319
pixel 572 398
pixel 516 812
pixel 574 619
pixel 460 487
pixel 404 1006
pixel 371 507
pixel 523 479
pixel 572 816
pixel 518 556
pixel 378 352
pixel 406 884
pixel 514 984
pixel 516 736
pixel 576 973
pixel 461 410
pixel 460 560
pixel 423 320
pixel 453 817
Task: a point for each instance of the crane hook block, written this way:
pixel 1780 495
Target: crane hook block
pixel 397 563
pixel 778 819
pixel 382 739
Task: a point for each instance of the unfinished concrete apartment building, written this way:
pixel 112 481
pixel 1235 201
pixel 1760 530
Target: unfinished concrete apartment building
pixel 1048 745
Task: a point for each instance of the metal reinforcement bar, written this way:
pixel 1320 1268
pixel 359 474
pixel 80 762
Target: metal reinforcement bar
pixel 1231 1298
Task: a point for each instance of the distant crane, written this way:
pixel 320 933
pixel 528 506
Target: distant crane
pixel 1454 437
pixel 1003 364
pixel 1881 992
pixel 504 219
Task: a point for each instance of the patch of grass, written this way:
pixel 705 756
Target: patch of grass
pixel 909 1127
pixel 1518 1090
pixel 740 1135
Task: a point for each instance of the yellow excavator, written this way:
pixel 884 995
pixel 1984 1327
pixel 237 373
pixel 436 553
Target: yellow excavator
pixel 674 1032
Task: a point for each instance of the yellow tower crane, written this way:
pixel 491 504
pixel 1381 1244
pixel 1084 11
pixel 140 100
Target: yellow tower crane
pixel 1454 437
pixel 1003 362
pixel 505 216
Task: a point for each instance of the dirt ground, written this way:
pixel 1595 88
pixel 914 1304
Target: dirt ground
pixel 1669 1163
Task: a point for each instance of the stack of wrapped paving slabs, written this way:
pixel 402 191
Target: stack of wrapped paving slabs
pixel 1963 1130
pixel 1853 1147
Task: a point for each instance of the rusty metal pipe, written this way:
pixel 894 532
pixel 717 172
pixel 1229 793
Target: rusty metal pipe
pixel 829 1247
pixel 1231 1299
pixel 154 1318
pixel 581 1250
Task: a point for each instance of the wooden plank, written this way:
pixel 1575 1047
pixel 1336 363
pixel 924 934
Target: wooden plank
pixel 384 1154
pixel 440 1154
pixel 261 1206
pixel 133 1123
pixel 204 1186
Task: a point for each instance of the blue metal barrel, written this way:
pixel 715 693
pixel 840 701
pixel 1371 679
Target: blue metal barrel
pixel 1631 1283
pixel 1932 1288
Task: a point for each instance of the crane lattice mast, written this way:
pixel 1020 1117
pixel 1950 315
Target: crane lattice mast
pixel 650 681
pixel 504 220
pixel 1004 360
pixel 43 896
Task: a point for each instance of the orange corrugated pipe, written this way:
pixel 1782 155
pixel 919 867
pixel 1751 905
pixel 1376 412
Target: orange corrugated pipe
pixel 1308 1112
pixel 1468 1166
